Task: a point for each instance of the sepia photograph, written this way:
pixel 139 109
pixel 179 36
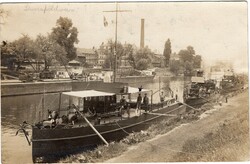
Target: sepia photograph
pixel 124 82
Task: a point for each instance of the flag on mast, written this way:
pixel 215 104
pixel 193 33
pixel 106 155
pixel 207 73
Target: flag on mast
pixel 105 22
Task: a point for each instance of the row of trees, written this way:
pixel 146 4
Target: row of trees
pixel 188 60
pixel 55 47
pixel 58 47
pixel 141 59
pixel 187 63
pixel 138 58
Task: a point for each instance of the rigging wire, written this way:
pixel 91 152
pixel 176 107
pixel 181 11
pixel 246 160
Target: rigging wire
pixel 121 128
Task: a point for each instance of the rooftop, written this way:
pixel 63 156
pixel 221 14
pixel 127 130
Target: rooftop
pixel 82 51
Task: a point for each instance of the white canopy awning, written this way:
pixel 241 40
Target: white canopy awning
pixel 136 90
pixel 88 93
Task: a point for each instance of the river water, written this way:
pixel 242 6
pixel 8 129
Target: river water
pixel 32 108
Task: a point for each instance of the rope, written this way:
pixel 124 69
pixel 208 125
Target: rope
pixel 160 114
pixel 186 105
pixel 121 128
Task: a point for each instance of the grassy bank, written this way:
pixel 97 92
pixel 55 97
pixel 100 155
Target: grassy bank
pixel 229 142
pixel 103 153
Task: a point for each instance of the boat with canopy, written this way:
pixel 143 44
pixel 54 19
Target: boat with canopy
pixel 98 119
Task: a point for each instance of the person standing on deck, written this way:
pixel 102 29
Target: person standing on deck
pixel 146 102
pixel 123 103
pixel 162 98
pixel 139 99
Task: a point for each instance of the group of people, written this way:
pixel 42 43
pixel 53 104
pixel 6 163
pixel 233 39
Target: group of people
pixel 54 119
pixel 140 101
pixel 145 102
pixel 124 106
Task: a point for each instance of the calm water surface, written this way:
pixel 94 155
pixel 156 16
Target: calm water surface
pixel 32 108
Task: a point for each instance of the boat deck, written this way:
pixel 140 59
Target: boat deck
pixel 115 118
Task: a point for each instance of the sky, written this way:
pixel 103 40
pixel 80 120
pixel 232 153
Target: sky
pixel 216 30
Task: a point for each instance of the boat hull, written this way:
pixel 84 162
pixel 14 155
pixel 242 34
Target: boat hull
pixel 196 102
pixel 61 142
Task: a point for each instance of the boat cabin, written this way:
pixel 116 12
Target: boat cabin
pixel 100 107
pixel 91 99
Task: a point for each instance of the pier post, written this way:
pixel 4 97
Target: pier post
pixel 151 100
pixel 60 97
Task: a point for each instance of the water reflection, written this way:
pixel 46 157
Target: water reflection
pixel 33 108
pixel 15 110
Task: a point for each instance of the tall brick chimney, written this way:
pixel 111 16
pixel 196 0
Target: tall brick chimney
pixel 142 34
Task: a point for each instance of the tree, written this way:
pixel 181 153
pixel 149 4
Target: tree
pixel 142 64
pixel 44 50
pixel 109 53
pixel 191 50
pixel 121 51
pixel 185 56
pixel 24 51
pixel 189 60
pixel 66 36
pixel 197 61
pixel 129 52
pixel 175 66
pixel 188 68
pixel 167 51
pixel 49 51
pixel 7 55
pixel 142 58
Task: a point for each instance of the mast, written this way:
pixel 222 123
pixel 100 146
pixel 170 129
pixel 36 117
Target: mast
pixel 115 51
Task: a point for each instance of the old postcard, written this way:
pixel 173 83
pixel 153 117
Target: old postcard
pixel 124 82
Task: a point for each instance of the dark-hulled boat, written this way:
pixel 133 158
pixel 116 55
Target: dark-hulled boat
pixel 109 121
pixel 198 93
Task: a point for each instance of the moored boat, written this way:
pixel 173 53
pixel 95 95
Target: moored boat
pixel 106 119
pixel 199 91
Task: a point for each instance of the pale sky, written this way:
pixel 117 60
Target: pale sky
pixel 216 30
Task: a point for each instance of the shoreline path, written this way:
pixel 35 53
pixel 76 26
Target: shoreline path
pixel 165 148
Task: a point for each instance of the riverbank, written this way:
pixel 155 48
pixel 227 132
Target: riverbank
pixel 127 150
pixel 221 134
